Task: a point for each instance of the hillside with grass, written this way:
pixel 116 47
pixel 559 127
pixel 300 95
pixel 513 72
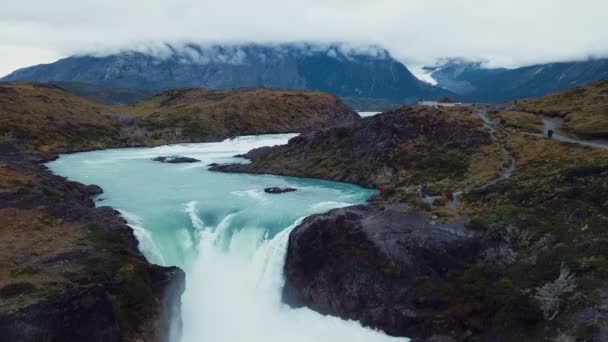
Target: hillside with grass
pixel 584 109
pixel 46 118
pixel 446 149
pixel 204 113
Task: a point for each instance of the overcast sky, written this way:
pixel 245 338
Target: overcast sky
pixel 504 32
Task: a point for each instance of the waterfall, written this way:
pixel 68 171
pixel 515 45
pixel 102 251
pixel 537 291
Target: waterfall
pixel 234 294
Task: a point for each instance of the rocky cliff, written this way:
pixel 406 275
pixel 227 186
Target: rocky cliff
pixel 70 271
pixel 382 267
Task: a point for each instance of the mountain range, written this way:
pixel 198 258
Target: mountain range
pixel 473 82
pixel 351 73
pixel 364 77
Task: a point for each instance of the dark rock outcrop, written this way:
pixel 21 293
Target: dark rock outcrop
pixel 88 313
pixel 94 190
pixel 256 153
pixel 175 159
pixel 278 190
pixel 378 266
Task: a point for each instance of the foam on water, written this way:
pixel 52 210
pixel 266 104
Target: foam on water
pixel 147 245
pixel 322 207
pixel 227 234
pixel 239 292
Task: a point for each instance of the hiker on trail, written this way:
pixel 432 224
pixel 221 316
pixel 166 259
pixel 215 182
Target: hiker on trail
pixel 550 133
pixel 421 191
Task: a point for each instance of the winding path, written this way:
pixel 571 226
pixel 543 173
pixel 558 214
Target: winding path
pixel 490 125
pixel 549 123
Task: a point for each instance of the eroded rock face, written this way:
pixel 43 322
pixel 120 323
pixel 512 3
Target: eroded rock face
pixel 378 266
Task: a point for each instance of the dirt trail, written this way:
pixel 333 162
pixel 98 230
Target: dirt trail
pixel 549 123
pixel 554 123
pixel 490 125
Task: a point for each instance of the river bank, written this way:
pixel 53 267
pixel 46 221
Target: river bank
pixel 73 271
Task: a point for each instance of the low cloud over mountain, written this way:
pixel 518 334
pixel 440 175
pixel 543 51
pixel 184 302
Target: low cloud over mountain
pixel 507 33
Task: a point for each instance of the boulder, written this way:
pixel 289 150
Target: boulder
pixel 378 266
pixel 278 190
pixel 175 160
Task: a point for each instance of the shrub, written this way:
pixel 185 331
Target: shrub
pixel 550 295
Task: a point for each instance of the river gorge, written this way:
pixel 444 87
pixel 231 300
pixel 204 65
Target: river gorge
pixel 224 231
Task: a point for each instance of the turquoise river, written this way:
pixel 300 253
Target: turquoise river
pixel 224 231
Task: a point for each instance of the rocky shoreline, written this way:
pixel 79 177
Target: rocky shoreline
pixel 70 297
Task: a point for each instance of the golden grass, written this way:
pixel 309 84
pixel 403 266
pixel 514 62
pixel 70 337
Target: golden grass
pixel 527 122
pixel 48 119
pixel 28 238
pixel 486 165
pixel 528 149
pixel 248 110
pixel 11 180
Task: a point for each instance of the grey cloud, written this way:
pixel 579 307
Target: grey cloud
pixel 505 33
pixel 242 53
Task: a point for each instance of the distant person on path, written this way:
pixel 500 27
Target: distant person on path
pixel 421 191
pixel 550 133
